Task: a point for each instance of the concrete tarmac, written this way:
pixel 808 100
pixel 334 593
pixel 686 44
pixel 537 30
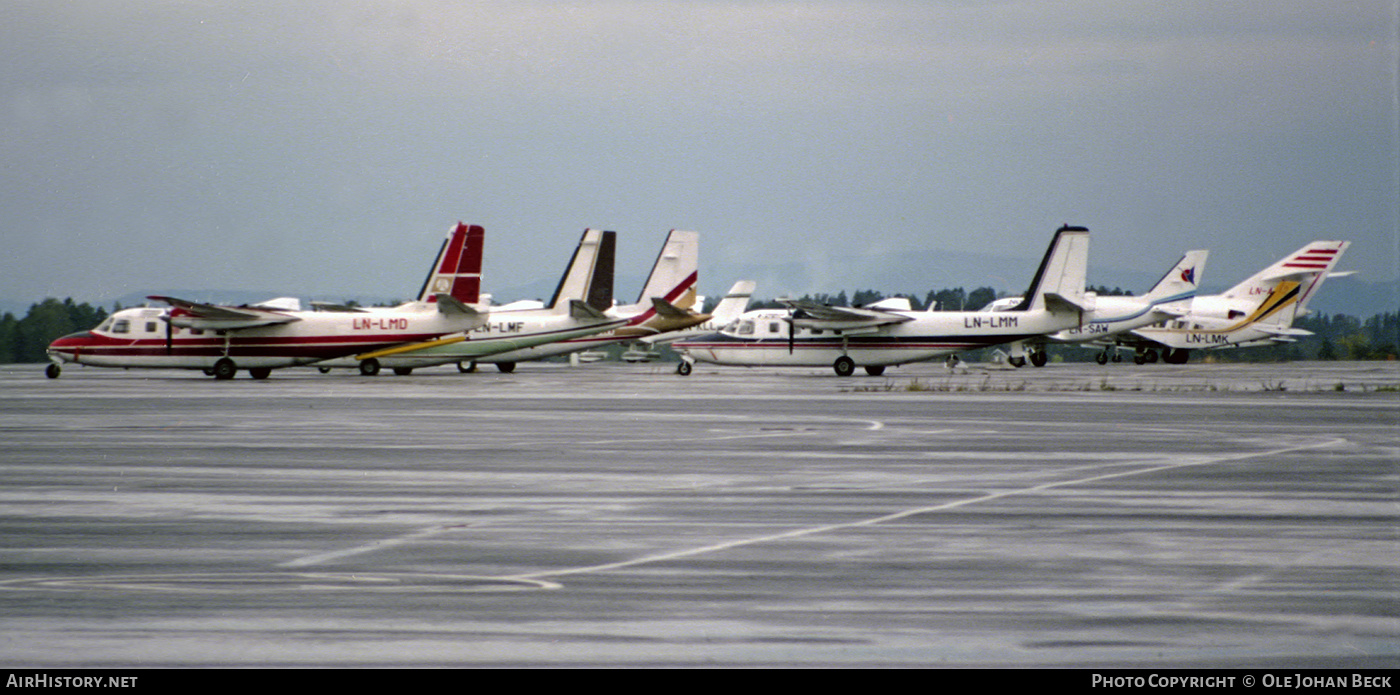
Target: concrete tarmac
pixel 621 515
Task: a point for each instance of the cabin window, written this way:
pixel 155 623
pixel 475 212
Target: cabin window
pixel 773 327
pixel 151 327
pixel 816 331
pixel 122 326
pixel 196 331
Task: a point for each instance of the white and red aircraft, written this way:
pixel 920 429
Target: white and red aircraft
pixel 584 292
pixel 223 339
pixel 890 333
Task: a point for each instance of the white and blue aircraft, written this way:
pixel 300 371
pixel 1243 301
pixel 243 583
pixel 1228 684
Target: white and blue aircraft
pixel 1113 316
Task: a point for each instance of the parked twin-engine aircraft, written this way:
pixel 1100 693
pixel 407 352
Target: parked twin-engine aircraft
pixel 584 292
pixel 223 339
pixel 890 333
pixel 1113 316
pixel 667 303
pixel 1258 311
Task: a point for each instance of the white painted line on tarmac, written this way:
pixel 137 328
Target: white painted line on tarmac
pixel 799 533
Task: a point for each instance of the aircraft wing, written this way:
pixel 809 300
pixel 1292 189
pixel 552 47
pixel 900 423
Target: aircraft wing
pixel 332 306
pixel 813 315
pixel 215 317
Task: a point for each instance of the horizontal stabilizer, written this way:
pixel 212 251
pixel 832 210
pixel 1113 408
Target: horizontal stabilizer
pixel 580 310
pixel 668 310
pixel 451 306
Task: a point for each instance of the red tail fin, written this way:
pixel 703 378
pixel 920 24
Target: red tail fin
pixel 457 270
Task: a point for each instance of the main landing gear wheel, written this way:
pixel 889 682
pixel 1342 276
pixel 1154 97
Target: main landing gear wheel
pixel 224 369
pixel 1177 356
pixel 1101 358
pixel 369 367
pixel 466 367
pixel 875 370
pixel 505 367
pixel 1016 362
pixel 1039 358
pixel 52 371
pixel 403 371
pixel 324 370
pixel 683 368
pixel 844 366
pixel 260 372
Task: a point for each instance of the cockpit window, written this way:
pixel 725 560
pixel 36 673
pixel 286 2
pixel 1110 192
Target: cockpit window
pixel 105 326
pixel 746 328
pixel 121 326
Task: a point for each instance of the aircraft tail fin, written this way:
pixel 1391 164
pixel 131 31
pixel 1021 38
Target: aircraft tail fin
pixel 589 276
pixel 1314 258
pixel 675 272
pixel 1182 281
pixel 735 303
pixel 457 270
pixel 1059 283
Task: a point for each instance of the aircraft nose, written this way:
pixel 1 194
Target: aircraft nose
pixel 68 345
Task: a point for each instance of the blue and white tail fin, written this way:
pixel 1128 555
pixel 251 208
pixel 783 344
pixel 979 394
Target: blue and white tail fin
pixel 457 270
pixel 1176 289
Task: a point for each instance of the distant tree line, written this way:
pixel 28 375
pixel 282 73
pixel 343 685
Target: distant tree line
pixel 24 340
pixel 1335 336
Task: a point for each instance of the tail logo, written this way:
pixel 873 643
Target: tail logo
pixel 1188 276
pixel 1312 259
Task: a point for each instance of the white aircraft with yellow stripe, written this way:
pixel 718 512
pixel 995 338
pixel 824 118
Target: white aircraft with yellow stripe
pixel 584 292
pixel 1258 311
pixel 667 303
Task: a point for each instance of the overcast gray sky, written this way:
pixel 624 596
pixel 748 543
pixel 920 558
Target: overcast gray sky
pixel 325 148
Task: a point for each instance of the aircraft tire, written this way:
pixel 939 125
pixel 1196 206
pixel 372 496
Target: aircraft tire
pixel 1016 362
pixel 324 370
pixel 844 366
pixel 369 367
pixel 1151 356
pixel 403 371
pixel 1101 358
pixel 1039 358
pixel 466 367
pixel 875 370
pixel 505 367
pixel 224 369
pixel 1139 359
pixel 684 368
pixel 260 372
pixel 52 371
